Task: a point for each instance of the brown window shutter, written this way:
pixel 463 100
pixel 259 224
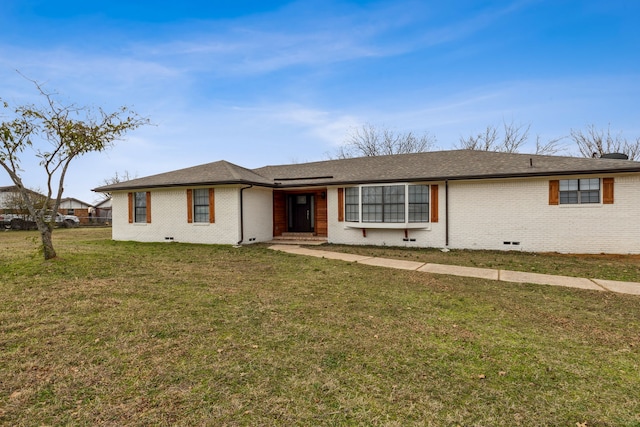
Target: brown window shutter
pixel 607 191
pixel 434 203
pixel 189 206
pixel 212 205
pixel 340 204
pixel 554 192
pixel 130 207
pixel 148 207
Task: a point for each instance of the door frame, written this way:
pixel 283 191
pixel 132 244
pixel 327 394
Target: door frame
pixel 294 223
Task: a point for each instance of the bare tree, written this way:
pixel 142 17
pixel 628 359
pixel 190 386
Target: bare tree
pixel 548 148
pixel 594 142
pixel 515 136
pixel 117 178
pixel 512 139
pixel 485 141
pixel 370 141
pixel 57 134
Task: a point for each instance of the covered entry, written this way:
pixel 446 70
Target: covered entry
pixel 300 212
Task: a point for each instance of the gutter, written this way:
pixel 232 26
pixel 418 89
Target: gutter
pixel 446 214
pixel 242 216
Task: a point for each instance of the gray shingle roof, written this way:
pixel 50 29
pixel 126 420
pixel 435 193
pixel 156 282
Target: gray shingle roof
pixel 429 166
pixel 221 172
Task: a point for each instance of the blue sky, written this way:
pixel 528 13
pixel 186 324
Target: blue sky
pixel 272 82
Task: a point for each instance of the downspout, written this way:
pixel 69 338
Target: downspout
pixel 446 213
pixel 242 215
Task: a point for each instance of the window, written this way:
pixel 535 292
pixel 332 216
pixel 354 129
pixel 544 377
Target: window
pixel 352 203
pixel 71 211
pixel 201 205
pixel 418 203
pixel 387 203
pixel 383 203
pixel 579 191
pixel 140 208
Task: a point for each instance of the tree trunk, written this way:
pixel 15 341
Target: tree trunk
pixel 47 242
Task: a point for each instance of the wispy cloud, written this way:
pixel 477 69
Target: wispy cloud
pixel 301 35
pixel 309 34
pixel 313 37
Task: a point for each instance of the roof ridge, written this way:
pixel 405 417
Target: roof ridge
pixel 233 170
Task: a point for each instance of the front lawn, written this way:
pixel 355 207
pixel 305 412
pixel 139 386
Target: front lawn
pixel 593 266
pixel 123 333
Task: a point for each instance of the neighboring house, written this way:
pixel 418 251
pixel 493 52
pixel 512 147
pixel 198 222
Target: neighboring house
pixel 455 199
pixel 11 200
pixel 71 206
pixel 6 193
pixel 103 211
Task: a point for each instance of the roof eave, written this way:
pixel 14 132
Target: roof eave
pixel 463 177
pixel 182 185
pixel 282 185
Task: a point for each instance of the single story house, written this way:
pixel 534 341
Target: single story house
pixel 72 206
pixel 103 211
pixel 11 199
pixel 11 202
pixel 459 199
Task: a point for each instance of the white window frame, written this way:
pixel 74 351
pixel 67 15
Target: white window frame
pixel 352 210
pixel 583 186
pixel 351 222
pixel 140 207
pixel 203 216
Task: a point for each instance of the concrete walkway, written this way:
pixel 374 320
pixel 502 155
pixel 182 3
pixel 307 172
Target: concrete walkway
pixel 481 273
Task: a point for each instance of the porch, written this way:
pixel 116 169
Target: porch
pixel 300 215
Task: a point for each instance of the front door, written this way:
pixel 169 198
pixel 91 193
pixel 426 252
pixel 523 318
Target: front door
pixel 300 212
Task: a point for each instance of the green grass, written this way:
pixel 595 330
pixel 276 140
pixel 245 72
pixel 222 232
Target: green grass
pixel 123 333
pixel 597 266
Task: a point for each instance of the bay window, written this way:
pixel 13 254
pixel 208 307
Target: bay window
pixel 387 203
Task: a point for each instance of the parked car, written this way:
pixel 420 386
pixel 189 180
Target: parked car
pixel 64 220
pixel 25 222
pixel 17 222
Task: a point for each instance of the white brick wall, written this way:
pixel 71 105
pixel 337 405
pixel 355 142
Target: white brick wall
pixel 169 218
pixel 258 215
pixel 482 215
pixel 485 214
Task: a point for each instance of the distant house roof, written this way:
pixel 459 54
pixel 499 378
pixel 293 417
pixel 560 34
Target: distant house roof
pixel 71 203
pixel 428 166
pixel 104 203
pixel 14 189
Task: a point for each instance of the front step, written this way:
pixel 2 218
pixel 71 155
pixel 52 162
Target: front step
pixel 298 238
